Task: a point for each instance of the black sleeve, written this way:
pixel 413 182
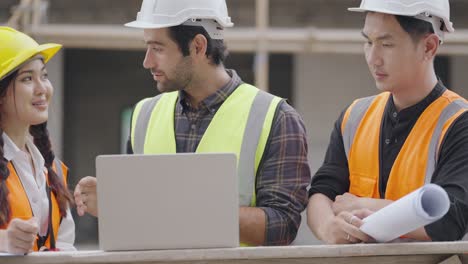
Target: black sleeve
pixel 451 173
pixel 332 178
pixel 129 146
pixel 129 141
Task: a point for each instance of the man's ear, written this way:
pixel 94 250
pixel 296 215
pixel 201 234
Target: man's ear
pixel 431 46
pixel 198 46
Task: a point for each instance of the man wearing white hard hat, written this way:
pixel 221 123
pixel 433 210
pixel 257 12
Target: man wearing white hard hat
pixel 414 132
pixel 206 108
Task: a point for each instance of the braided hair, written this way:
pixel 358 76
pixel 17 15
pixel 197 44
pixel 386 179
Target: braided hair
pixel 40 134
pixel 5 210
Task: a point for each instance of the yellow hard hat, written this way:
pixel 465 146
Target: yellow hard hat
pixel 17 47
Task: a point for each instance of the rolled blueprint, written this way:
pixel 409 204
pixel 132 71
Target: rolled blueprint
pixel 419 208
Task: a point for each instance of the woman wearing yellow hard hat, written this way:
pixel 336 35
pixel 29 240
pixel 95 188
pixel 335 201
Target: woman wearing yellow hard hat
pixel 34 199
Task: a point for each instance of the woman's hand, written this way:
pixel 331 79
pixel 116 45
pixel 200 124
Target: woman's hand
pixel 20 236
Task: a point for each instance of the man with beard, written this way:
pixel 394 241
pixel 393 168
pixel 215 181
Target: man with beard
pixel 207 108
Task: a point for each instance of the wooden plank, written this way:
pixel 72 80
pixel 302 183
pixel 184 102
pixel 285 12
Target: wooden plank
pixel 362 253
pixel 417 259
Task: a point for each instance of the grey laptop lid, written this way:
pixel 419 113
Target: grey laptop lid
pixel 174 201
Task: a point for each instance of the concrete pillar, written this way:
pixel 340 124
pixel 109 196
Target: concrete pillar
pixel 459 64
pixel 55 69
pixel 325 84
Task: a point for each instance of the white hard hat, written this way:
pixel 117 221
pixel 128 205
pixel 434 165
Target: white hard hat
pixel 436 12
pixel 211 14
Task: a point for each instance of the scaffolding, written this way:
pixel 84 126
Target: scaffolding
pixel 261 40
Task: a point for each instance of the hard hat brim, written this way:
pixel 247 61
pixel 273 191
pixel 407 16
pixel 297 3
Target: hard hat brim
pixel 362 10
pixel 46 50
pixel 356 9
pixel 143 25
pixel 147 25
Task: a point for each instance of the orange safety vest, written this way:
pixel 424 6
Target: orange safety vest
pixel 416 160
pixel 19 203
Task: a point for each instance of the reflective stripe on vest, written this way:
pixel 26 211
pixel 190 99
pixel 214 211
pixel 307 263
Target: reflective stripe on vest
pixel 417 159
pixel 352 119
pixel 142 123
pixel 452 111
pixel 241 125
pixel 19 202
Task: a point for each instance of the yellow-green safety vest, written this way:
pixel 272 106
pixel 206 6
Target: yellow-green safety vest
pixel 241 126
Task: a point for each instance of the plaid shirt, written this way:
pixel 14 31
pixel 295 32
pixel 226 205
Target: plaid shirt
pixel 284 173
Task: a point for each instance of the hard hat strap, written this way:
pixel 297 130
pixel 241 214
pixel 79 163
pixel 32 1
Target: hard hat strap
pixel 437 24
pixel 213 28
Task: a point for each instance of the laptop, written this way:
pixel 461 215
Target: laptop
pixel 173 201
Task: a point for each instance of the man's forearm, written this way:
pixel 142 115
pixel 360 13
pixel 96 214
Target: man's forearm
pixel 319 213
pixel 252 225
pixel 374 204
pixel 419 234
